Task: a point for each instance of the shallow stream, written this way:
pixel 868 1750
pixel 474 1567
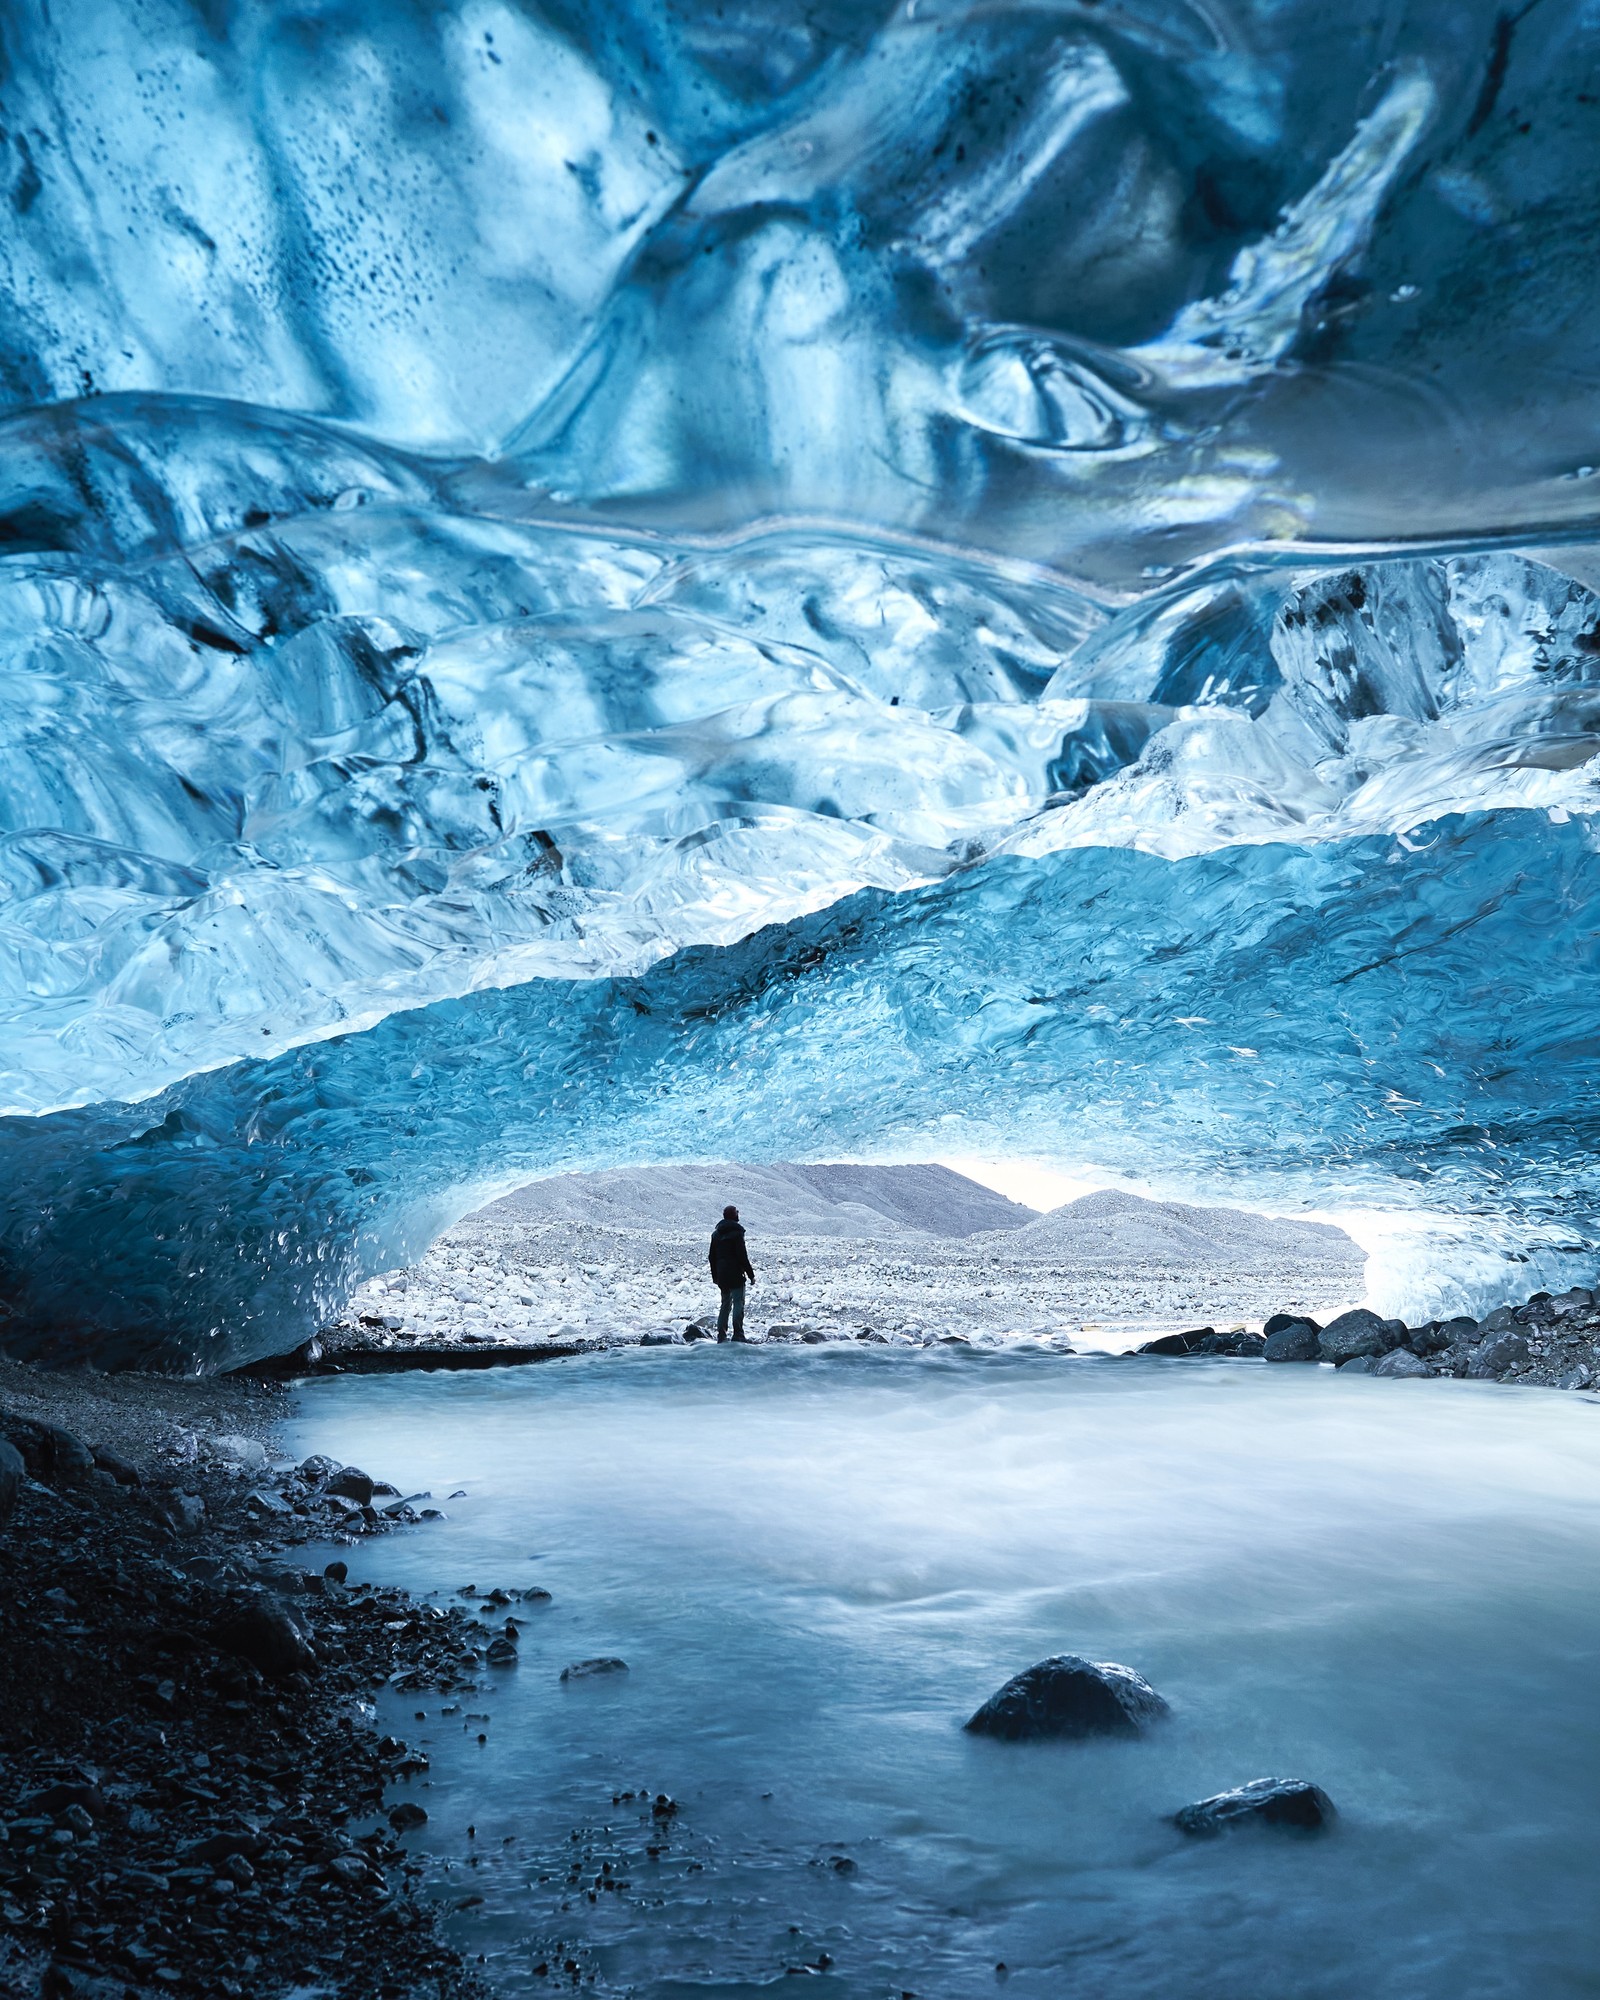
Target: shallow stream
pixel 817 1563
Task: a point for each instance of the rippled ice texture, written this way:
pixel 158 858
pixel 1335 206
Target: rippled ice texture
pixel 816 1567
pixel 570 575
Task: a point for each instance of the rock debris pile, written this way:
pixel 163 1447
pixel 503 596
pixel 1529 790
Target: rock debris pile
pixel 192 1800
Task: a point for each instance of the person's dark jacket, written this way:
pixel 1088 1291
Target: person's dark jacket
pixel 730 1261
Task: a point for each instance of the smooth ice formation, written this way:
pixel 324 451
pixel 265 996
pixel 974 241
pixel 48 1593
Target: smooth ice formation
pixel 621 583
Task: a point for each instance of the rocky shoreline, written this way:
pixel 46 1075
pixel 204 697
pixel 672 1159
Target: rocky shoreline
pixel 193 1798
pixel 1550 1342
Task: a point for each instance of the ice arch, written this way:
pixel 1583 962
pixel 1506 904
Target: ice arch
pixel 579 581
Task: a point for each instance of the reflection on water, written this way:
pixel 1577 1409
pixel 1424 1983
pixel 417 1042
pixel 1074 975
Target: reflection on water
pixel 817 1564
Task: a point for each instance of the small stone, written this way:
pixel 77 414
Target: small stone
pixel 337 1572
pixel 405 1816
pixel 1066 1696
pixel 587 1670
pixel 1292 1803
pixel 1358 1364
pixel 1575 1378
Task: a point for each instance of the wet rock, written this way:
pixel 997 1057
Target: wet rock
pixel 695 1332
pixel 1499 1355
pixel 405 1816
pixel 1576 1378
pixel 661 1340
pixel 1438 1335
pixel 266 1636
pixel 1180 1343
pixel 1237 1344
pixel 1497 1321
pixel 1292 1340
pixel 1402 1365
pixel 503 1652
pixel 1066 1696
pixel 337 1572
pixel 1353 1333
pixel 319 1466
pixel 1358 1364
pixel 589 1670
pixel 12 1474
pixel 1279 1322
pixel 1291 1803
pixel 351 1483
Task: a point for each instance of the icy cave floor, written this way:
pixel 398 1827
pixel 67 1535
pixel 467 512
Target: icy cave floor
pixel 900 1254
pixel 485 1281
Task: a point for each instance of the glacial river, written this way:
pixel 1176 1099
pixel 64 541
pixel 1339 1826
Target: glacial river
pixel 817 1563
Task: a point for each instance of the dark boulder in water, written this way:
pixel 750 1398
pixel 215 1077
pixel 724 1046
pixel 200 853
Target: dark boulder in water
pixel 1206 1340
pixel 588 1670
pixel 1280 1321
pixel 1352 1334
pixel 351 1483
pixel 1180 1343
pixel 1066 1696
pixel 1292 1340
pixel 1294 1803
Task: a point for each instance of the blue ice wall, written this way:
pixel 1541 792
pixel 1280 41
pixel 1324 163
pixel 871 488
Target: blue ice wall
pixel 584 584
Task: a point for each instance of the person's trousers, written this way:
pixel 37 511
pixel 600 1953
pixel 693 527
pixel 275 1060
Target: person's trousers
pixel 732 1301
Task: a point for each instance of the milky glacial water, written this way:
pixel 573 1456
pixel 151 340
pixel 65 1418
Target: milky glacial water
pixel 817 1563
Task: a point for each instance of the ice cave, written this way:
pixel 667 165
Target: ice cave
pixel 592 584
pixel 973 624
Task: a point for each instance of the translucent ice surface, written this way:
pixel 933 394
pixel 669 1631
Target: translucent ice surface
pixel 588 584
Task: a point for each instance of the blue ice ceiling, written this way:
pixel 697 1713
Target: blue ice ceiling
pixel 649 580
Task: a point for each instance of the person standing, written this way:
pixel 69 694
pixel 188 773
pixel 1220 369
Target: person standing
pixel 730 1269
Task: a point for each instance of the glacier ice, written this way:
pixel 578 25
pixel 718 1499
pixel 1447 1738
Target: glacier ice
pixel 583 584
